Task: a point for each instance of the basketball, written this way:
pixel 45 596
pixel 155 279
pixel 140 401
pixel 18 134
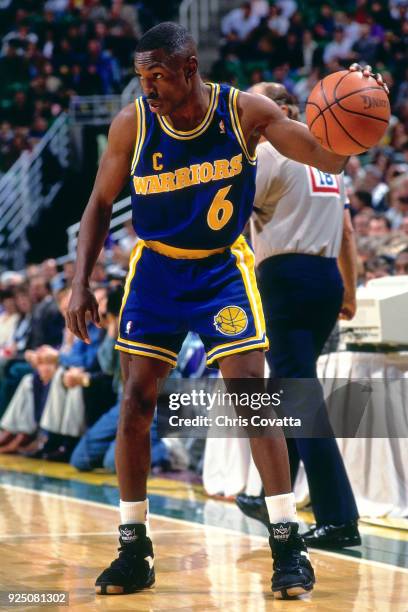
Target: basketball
pixel 347 112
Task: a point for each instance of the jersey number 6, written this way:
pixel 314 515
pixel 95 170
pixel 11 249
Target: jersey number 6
pixel 220 211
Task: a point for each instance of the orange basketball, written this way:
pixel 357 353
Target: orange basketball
pixel 347 112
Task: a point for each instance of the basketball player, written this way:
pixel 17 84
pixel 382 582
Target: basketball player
pixel 302 228
pixel 189 148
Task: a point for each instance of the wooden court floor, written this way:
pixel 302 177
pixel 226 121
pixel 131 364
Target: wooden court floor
pixel 51 541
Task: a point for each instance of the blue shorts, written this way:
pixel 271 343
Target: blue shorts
pixel 215 296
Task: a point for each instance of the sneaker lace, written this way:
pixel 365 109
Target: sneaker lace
pixel 131 557
pixel 288 556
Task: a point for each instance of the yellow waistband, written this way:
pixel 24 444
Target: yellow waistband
pixel 176 253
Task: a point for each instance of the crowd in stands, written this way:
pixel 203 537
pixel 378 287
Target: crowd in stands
pixel 53 50
pixel 297 43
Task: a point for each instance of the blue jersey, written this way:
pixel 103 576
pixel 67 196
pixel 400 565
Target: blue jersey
pixel 194 189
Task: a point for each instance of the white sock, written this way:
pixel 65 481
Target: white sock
pixel 134 512
pixel 281 508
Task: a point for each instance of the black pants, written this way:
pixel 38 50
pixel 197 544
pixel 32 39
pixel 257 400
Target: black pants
pixel 302 296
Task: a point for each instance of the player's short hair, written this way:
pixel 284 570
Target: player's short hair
pixel 173 38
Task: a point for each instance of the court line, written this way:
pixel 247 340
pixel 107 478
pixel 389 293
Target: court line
pixel 324 553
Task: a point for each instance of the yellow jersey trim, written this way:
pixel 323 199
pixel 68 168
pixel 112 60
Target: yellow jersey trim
pixel 232 351
pixel 149 346
pixel 236 125
pixel 177 253
pixel 202 127
pixel 134 258
pixel 172 362
pixel 141 132
pixel 245 262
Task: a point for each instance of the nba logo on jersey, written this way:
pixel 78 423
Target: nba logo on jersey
pixel 221 125
pixel 128 326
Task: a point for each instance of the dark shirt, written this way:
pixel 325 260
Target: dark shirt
pixel 47 324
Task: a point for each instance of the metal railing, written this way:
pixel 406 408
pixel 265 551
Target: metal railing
pixel 29 186
pixel 100 110
pixel 195 15
pixel 121 212
pixel 93 110
pixel 131 91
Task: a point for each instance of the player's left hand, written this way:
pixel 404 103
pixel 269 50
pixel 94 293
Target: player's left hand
pixel 349 307
pixel 367 72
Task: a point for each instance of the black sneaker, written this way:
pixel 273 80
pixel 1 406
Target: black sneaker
pixel 254 507
pixel 293 573
pixel 333 537
pixel 133 570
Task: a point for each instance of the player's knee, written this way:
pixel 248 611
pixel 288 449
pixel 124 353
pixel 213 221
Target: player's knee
pixel 138 406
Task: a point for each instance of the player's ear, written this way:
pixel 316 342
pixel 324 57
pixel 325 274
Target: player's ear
pixel 191 67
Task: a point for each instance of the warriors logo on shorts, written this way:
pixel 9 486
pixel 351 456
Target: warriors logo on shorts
pixel 231 320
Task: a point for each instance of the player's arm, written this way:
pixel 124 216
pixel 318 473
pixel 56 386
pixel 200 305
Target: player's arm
pixel 112 174
pixel 261 116
pixel 347 261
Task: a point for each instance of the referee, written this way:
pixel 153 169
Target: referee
pixel 306 258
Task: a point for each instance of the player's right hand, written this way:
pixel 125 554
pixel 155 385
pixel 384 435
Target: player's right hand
pixel 367 71
pixel 81 304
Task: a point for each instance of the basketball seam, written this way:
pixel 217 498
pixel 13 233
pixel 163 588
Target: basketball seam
pixel 338 100
pixel 327 133
pixel 337 121
pixel 318 115
pixel 324 119
pixel 361 114
pixel 338 83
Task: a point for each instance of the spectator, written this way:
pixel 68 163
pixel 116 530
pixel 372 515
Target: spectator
pixel 240 22
pixel 379 226
pixel 288 7
pixel 377 267
pixel 277 23
pixel 398 201
pixel 401 262
pixel 8 320
pixel 47 324
pixel 365 49
pixel 325 23
pixel 351 27
pixel 51 396
pixel 361 224
pixel 360 201
pixel 373 183
pixel 305 85
pixel 309 47
pixel 49 269
pixel 260 8
pixel 339 48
